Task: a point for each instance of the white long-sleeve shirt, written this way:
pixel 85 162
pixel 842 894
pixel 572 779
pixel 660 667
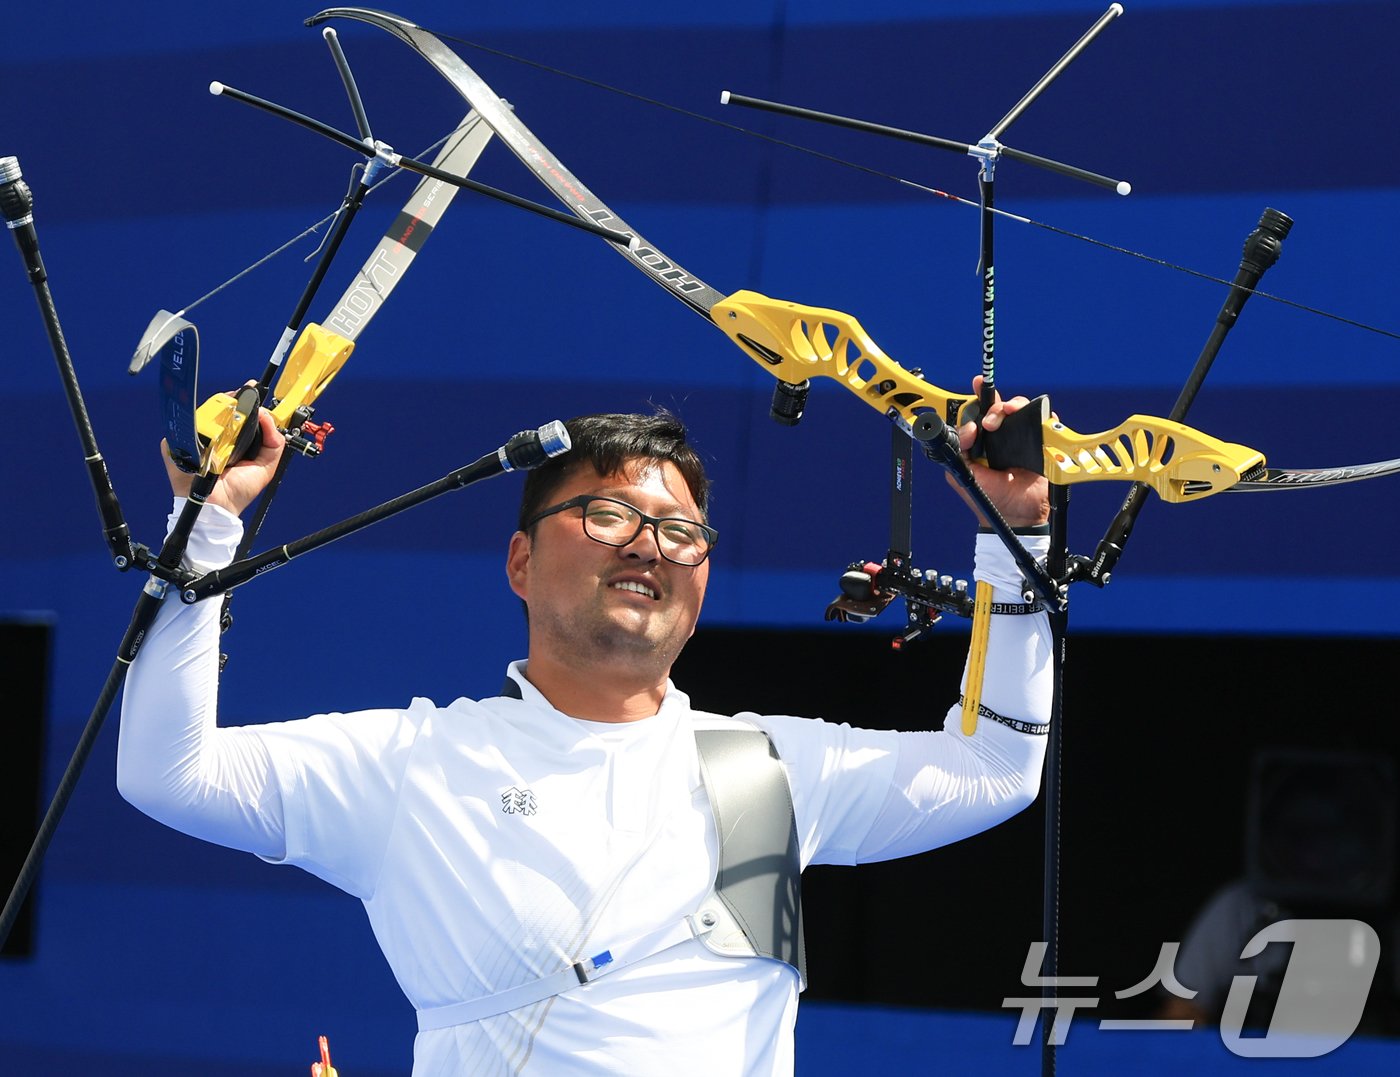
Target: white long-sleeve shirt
pixel 497 841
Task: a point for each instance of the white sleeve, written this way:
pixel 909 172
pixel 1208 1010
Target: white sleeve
pixel 172 761
pixel 318 792
pixel 947 785
pixel 866 795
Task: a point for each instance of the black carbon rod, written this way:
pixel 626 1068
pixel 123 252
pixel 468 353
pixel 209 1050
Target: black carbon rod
pixel 1261 250
pixel 1050 880
pixel 17 204
pixel 1114 10
pixel 347 78
pixel 398 161
pixel 727 97
pixel 527 449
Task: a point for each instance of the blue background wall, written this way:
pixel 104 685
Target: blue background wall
pixel 149 192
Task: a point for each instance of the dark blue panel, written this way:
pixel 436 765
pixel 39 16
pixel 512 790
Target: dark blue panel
pixel 149 192
pixel 1180 100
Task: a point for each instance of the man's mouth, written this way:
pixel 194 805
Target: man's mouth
pixel 639 588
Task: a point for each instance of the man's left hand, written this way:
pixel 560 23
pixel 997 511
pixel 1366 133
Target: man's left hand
pixel 1022 497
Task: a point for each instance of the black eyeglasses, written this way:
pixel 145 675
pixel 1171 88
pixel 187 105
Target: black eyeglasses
pixel 616 523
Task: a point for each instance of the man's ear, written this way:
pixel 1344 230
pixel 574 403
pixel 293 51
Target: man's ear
pixel 518 565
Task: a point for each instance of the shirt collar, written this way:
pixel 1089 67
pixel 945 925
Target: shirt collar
pixel 518 686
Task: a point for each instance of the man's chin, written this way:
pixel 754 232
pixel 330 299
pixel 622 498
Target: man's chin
pixel 636 635
pixel 628 639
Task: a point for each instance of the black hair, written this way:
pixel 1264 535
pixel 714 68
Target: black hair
pixel 607 443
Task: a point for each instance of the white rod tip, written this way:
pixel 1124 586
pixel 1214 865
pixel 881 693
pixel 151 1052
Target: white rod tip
pixel 724 97
pixel 1124 187
pixel 1115 10
pixel 216 88
pixel 329 31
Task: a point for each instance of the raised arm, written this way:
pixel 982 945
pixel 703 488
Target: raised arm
pixel 948 785
pixel 869 795
pixel 172 761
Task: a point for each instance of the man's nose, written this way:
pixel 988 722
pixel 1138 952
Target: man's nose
pixel 644 545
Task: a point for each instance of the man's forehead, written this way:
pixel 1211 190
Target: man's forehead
pixel 637 473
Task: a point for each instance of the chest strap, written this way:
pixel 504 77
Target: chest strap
pixel 617 956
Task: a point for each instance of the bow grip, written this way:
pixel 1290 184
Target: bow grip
pixel 225 433
pixel 1018 442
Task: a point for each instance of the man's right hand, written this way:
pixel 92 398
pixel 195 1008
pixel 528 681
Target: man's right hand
pixel 241 483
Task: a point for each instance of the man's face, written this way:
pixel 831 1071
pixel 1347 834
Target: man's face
pixel 586 600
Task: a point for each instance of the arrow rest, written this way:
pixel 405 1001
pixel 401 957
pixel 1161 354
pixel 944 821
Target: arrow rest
pixel 317 433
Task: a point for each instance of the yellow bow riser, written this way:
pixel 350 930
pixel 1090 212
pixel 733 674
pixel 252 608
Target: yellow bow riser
pixel 794 342
pixel 314 362
pixel 1179 463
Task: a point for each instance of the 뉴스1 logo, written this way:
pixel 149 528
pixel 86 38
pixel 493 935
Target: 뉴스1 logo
pixel 1326 981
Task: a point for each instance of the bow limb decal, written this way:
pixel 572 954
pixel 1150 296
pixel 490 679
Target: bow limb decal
pixel 567 187
pixel 793 342
pixel 1302 478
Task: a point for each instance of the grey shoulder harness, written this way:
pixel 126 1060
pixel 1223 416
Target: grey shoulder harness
pixel 756 902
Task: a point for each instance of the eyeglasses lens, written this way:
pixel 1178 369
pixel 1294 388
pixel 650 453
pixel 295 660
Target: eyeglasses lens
pixel 617 524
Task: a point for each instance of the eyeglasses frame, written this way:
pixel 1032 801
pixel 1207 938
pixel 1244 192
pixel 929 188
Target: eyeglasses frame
pixel 582 500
